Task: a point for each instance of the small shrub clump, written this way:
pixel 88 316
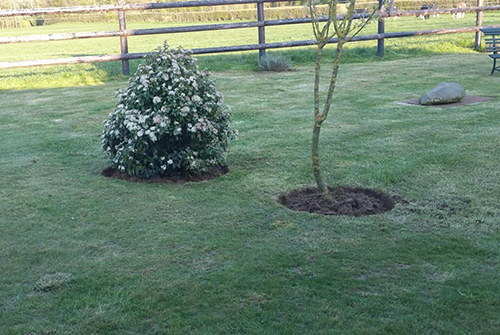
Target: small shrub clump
pixel 275 63
pixel 171 119
pixel 51 282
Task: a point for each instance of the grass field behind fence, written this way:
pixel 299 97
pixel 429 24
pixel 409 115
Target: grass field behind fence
pixel 223 257
pixel 62 76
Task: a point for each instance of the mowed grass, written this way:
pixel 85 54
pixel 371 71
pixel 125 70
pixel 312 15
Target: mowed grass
pixel 222 256
pixel 92 74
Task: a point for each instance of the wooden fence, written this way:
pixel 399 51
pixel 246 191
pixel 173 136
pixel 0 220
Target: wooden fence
pixel 121 8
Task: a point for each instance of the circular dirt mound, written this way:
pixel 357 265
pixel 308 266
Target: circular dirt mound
pixel 169 179
pixel 345 201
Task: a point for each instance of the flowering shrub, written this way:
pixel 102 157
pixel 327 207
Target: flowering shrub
pixel 170 119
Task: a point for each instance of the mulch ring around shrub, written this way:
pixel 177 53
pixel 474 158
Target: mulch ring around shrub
pixel 178 178
pixel 345 201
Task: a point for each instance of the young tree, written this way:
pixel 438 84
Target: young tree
pixel 342 27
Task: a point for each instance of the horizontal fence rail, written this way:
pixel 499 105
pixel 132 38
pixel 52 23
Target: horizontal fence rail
pixel 188 4
pixel 247 47
pixel 260 24
pixel 127 7
pixel 211 27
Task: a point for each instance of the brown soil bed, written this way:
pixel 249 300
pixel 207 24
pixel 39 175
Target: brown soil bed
pixel 178 178
pixel 345 201
pixel 467 100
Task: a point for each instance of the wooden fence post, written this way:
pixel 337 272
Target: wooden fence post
pixel 262 29
pixel 381 29
pixel 479 23
pixel 122 22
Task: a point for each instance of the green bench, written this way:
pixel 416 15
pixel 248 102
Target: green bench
pixel 492 43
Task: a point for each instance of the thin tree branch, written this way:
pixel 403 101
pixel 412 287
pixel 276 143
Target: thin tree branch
pixel 333 81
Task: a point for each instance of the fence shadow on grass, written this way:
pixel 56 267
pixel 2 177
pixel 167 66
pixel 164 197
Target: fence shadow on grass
pixel 99 73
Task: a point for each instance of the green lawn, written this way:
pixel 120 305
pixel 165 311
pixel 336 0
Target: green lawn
pixel 223 257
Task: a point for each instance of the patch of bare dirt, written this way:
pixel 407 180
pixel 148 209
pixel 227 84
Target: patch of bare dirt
pixel 177 178
pixel 343 201
pixel 467 100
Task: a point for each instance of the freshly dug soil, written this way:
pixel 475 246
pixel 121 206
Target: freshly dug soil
pixel 345 201
pixel 178 178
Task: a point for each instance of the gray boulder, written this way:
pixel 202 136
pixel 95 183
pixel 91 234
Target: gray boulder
pixel 443 93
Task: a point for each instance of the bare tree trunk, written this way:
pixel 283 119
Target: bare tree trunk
pixel 319 118
pixel 315 159
pixel 345 28
pixel 317 126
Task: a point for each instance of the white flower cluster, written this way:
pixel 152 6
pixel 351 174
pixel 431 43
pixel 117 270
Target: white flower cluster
pixel 171 118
